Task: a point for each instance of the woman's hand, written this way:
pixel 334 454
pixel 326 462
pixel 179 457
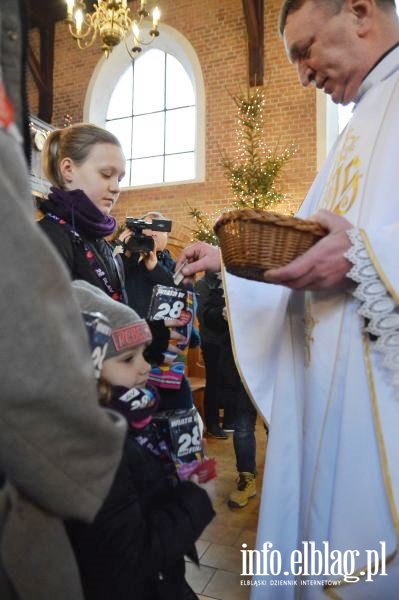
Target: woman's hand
pixel 124 237
pixel 150 260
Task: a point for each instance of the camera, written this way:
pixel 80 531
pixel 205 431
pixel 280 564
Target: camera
pixel 139 242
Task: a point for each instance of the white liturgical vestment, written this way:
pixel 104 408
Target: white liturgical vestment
pixel 329 391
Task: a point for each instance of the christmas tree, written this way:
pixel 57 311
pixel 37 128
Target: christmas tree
pixel 252 173
pixel 203 231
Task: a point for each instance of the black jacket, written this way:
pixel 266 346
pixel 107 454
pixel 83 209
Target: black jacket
pixel 134 549
pixel 229 376
pixel 140 282
pixel 212 314
pixel 204 287
pixel 73 253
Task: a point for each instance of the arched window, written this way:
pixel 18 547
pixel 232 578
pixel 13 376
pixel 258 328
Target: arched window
pixel 155 106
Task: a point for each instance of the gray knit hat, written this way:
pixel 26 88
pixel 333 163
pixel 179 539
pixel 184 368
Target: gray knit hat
pixel 128 329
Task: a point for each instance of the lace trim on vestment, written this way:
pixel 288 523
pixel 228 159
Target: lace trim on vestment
pixel 376 304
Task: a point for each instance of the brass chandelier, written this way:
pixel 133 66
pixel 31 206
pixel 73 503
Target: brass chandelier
pixel 112 21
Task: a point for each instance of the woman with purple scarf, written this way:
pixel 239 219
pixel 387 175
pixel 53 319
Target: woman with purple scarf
pixel 85 165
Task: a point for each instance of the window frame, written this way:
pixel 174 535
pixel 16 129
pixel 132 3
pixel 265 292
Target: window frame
pixel 108 71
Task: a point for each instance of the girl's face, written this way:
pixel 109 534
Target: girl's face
pixel 129 369
pixel 98 176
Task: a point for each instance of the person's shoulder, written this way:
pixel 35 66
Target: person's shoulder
pixel 60 238
pixel 52 227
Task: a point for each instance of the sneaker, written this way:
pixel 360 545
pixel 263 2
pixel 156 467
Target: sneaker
pixel 246 489
pixel 216 432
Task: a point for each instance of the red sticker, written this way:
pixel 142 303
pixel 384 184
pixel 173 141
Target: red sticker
pixel 7 113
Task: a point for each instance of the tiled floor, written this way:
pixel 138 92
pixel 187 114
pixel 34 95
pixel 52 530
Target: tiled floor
pixel 218 577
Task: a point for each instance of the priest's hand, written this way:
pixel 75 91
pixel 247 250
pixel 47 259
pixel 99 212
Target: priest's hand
pixel 324 265
pixel 198 257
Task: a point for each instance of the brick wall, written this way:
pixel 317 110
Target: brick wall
pixel 217 32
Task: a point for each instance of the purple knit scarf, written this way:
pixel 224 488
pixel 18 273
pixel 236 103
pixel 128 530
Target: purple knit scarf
pixel 79 211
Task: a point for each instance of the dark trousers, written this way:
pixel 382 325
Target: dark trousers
pixel 244 433
pixel 244 415
pixel 211 354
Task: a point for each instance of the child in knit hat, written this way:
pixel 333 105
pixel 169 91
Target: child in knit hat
pixel 135 548
pixel 124 364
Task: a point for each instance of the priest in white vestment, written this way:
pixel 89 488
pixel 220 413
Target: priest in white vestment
pixel 319 349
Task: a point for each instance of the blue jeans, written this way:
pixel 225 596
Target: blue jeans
pixel 243 413
pixel 211 354
pixel 244 433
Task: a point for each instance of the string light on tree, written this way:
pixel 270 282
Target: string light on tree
pixel 253 171
pixel 204 226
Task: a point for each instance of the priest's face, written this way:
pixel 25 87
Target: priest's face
pixel 326 49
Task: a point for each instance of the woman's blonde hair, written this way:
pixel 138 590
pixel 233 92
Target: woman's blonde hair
pixel 74 142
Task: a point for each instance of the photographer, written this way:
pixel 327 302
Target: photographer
pixel 145 268
pixel 149 267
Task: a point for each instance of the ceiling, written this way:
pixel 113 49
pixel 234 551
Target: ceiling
pixel 45 13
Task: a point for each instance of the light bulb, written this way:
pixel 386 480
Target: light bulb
pixel 156 15
pixel 70 6
pixel 78 21
pixel 136 33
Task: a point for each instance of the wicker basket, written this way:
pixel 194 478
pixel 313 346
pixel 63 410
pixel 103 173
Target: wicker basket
pixel 253 241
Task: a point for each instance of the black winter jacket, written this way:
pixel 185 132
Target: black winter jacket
pixel 139 284
pixel 140 281
pixel 134 549
pixel 74 256
pixel 212 314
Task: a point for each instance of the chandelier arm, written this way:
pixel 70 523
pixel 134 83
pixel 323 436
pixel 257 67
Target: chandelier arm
pixel 132 56
pixel 153 33
pixel 83 44
pixel 112 22
pixel 127 21
pixel 88 23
